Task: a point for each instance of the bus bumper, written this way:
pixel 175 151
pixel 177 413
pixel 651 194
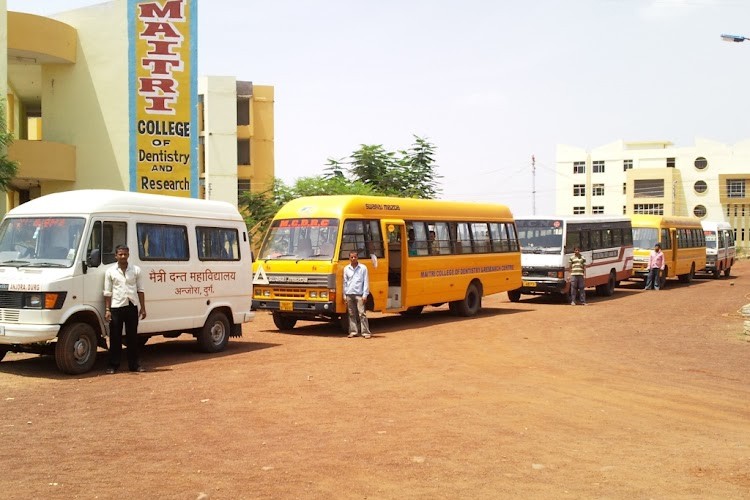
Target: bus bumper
pixel 295 307
pixel 548 286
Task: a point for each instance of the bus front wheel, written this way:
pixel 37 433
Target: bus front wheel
pixel 608 288
pixel 514 295
pixel 472 302
pixel 283 323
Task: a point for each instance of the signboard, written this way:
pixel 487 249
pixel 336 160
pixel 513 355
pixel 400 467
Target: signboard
pixel 163 94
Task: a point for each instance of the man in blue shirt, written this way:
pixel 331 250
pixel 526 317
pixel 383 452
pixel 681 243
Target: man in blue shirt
pixel 356 290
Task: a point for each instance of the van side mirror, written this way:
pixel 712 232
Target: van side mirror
pixel 95 258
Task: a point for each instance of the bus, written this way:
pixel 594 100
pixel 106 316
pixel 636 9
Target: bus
pixel 547 243
pixel 720 247
pixel 681 239
pixel 417 253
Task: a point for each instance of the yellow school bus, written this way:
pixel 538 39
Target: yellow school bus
pixel 682 241
pixel 417 253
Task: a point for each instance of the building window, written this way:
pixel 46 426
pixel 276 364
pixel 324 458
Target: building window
pixel 627 165
pixel 243 186
pixel 700 186
pixel 700 163
pixel 624 210
pixel 728 210
pixel 579 167
pixel 597 210
pixel 579 190
pixel 243 111
pixel 598 167
pixel 699 211
pixel 670 162
pixel 597 190
pixel 649 208
pixel 579 210
pixel 624 188
pixel 648 188
pixel 243 152
pixel 735 188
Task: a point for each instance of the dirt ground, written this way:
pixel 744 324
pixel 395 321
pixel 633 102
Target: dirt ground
pixel 642 395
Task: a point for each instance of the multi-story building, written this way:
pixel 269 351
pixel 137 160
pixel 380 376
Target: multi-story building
pixel 68 81
pixel 708 180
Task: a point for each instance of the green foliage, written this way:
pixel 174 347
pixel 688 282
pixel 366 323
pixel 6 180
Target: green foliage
pixel 370 170
pixel 8 168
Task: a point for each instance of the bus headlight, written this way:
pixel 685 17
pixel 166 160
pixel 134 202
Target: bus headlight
pixel 324 294
pixel 46 300
pixel 266 293
pixel 33 301
pixel 313 294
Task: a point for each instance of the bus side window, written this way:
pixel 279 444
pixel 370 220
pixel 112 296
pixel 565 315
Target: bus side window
pixel 666 241
pixel 586 240
pixel 443 238
pixel 463 238
pixel 572 240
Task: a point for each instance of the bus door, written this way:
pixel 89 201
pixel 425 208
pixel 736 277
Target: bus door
pixel 395 238
pixel 671 259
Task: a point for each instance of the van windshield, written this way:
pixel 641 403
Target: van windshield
pixel 40 241
pixel 301 239
pixel 710 239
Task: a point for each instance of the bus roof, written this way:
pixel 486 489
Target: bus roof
pixel 390 207
pixel 713 225
pixel 577 218
pixel 87 201
pixel 640 220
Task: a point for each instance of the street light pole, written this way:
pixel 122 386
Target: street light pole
pixel 733 38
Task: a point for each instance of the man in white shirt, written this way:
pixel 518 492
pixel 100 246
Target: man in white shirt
pixel 356 290
pixel 123 296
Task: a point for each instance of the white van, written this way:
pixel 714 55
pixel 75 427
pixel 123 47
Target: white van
pixel 720 247
pixel 54 251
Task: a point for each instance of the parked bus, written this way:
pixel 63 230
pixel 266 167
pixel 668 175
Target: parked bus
pixel 720 247
pixel 547 243
pixel 682 242
pixel 418 253
pixel 54 251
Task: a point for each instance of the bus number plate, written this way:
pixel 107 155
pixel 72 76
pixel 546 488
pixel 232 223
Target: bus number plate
pixel 529 284
pixel 286 306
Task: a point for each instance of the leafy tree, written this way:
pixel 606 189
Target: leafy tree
pixel 8 167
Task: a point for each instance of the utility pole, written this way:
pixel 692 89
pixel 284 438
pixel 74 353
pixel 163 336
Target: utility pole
pixel 533 185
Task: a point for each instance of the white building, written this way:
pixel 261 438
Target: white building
pixel 708 180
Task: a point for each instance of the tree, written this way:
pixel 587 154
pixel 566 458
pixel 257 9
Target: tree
pixel 8 167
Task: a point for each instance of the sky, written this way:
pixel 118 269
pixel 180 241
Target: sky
pixel 490 84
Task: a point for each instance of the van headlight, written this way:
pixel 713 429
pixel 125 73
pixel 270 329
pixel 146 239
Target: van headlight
pixel 44 300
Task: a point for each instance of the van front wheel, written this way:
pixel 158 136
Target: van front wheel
pixel 75 350
pixel 214 335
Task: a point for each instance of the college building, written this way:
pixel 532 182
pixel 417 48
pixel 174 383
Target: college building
pixel 108 96
pixel 708 180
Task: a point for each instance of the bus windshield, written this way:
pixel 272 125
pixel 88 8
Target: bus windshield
pixel 301 239
pixel 540 236
pixel 645 237
pixel 40 241
pixel 710 239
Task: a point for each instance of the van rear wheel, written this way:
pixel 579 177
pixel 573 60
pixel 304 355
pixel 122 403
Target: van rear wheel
pixel 514 295
pixel 283 322
pixel 75 350
pixel 727 272
pixel 214 335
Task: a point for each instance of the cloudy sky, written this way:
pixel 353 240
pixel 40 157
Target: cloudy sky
pixel 489 83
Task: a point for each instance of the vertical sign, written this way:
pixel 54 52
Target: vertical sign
pixel 163 94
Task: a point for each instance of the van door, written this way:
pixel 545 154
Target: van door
pixel 395 236
pixel 104 237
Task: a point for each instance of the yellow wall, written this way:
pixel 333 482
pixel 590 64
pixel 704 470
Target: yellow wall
pixel 262 142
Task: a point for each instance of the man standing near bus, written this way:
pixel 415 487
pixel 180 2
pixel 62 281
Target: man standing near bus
pixel 356 290
pixel 577 277
pixel 655 267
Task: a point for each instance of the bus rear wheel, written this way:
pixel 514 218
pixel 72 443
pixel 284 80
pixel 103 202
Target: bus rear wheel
pixel 3 352
pixel 688 277
pixel 608 288
pixel 214 335
pixel 472 302
pixel 283 322
pixel 727 272
pixel 716 273
pixel 514 295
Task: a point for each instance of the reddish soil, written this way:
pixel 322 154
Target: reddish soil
pixel 644 394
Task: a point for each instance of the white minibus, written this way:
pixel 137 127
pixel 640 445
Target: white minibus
pixel 720 247
pixel 54 251
pixel 547 243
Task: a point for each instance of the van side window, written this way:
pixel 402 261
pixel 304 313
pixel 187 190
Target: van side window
pixel 217 243
pixel 162 242
pixel 105 236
